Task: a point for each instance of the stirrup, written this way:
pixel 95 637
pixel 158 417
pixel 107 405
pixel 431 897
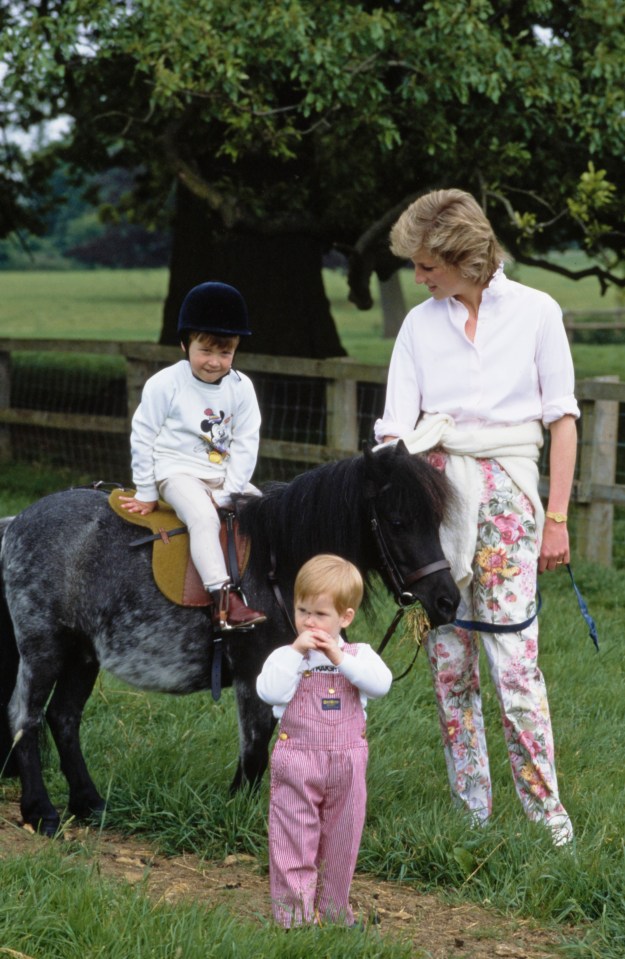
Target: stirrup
pixel 232 620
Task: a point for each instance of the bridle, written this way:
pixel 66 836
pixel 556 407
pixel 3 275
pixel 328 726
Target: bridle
pixel 403 596
pixel 400 585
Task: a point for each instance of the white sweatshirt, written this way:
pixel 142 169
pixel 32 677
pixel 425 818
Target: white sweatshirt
pixel 284 667
pixel 182 425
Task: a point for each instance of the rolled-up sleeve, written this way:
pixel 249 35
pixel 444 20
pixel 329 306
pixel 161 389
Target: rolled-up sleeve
pixel 403 393
pixel 556 374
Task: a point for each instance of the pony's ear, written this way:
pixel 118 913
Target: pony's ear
pixel 401 446
pixel 370 471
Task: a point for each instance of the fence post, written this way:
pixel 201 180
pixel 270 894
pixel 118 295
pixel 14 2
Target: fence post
pixel 137 372
pixel 5 402
pixel 342 414
pixel 568 318
pixel 597 465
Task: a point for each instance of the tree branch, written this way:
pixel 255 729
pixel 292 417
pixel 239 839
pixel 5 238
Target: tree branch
pixel 225 206
pixel 371 253
pixel 605 277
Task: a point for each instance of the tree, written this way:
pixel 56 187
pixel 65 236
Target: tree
pixel 288 129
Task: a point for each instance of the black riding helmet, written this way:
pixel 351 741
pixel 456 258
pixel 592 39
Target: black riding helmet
pixel 213 308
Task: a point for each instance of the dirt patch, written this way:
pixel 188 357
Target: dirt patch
pixel 441 930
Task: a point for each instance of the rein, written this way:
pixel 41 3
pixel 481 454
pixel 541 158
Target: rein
pixel 481 627
pixel 387 636
pixel 403 597
pixel 272 576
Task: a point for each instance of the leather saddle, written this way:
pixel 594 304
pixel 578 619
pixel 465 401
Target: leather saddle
pixel 172 566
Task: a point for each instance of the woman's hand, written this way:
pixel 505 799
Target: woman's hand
pixel 554 550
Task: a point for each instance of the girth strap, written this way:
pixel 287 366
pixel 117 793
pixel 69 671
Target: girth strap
pixel 162 534
pixel 216 666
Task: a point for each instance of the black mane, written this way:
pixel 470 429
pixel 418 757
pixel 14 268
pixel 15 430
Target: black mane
pixel 337 495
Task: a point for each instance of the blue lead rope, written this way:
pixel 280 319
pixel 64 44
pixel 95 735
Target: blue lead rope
pixel 583 608
pixel 480 627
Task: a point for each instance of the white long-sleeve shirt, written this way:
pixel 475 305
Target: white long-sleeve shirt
pixel 518 369
pixel 284 667
pixel 183 425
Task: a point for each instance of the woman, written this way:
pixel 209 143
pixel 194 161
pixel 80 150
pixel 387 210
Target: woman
pixel 476 372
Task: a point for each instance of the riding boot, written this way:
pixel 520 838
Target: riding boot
pixel 231 612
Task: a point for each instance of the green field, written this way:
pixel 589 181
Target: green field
pixel 127 304
pixel 165 763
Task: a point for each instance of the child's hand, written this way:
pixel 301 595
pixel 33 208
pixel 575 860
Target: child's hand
pixel 327 644
pixel 136 506
pixel 305 641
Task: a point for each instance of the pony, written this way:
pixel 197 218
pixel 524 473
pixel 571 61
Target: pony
pixel 77 599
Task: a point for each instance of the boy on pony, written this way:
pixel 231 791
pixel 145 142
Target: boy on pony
pixel 195 438
pixel 318 687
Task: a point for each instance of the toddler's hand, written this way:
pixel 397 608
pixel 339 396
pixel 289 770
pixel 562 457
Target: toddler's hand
pixel 304 642
pixel 327 644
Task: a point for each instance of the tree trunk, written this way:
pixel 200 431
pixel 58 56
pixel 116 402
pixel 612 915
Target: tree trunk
pixel 278 274
pixel 393 305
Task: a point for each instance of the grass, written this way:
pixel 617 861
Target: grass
pixel 127 304
pixel 165 763
pixel 55 906
pixel 83 304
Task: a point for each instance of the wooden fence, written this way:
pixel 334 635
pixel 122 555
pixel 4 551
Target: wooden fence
pixel 596 491
pixel 603 320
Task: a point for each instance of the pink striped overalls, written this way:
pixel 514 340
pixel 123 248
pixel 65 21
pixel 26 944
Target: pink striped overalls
pixel 318 799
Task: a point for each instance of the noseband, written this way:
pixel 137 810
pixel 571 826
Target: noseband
pixel 403 596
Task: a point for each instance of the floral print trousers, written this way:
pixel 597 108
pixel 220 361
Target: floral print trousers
pixel 503 591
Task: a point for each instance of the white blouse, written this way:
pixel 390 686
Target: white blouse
pixel 518 369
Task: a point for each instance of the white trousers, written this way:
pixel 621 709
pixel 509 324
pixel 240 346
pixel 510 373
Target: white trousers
pixel 190 497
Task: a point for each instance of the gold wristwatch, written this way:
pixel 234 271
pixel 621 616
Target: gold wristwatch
pixel 556 517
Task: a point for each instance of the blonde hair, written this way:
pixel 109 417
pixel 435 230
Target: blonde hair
pixel 334 576
pixel 451 227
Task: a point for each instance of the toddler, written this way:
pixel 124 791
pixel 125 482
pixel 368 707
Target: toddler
pixel 318 687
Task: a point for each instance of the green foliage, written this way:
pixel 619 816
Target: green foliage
pixel 594 195
pixel 126 305
pixel 329 114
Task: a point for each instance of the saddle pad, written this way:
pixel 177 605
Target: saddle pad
pixel 172 566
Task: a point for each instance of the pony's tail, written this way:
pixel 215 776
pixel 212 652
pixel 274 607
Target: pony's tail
pixel 9 659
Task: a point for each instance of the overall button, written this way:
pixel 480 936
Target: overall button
pixel 283 736
pixel 331 691
pixel 307 674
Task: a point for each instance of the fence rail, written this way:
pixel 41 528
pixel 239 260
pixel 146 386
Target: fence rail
pixel 329 423
pixel 608 321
